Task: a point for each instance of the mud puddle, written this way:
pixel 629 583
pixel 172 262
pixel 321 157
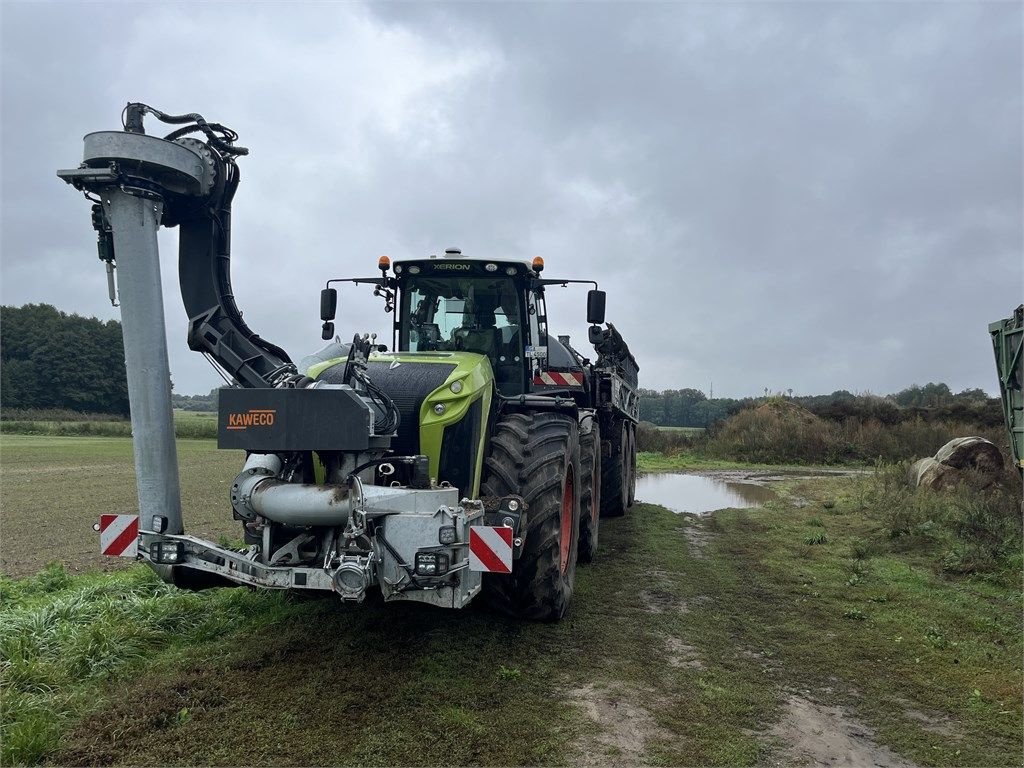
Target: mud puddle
pixel 699 494
pixel 703 491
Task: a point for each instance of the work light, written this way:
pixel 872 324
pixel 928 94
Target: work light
pixel 431 564
pixel 167 552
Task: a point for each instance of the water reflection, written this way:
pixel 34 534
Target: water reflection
pixel 698 494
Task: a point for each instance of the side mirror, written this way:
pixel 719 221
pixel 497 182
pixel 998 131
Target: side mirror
pixel 328 304
pixel 595 307
pixel 328 332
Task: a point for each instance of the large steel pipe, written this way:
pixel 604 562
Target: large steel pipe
pixel 258 491
pixel 305 504
pixel 135 221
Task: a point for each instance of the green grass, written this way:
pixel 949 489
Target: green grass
pixel 187 424
pixel 100 669
pixel 649 461
pixel 882 624
pixel 685 430
pixel 61 637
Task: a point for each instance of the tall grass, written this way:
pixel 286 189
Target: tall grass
pixel 61 636
pixel 55 414
pixel 186 427
pixel 965 530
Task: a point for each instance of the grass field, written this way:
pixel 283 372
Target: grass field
pixel 735 639
pixel 52 490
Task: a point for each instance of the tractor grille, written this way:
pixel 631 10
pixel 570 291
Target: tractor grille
pixel 459 449
pixel 408 385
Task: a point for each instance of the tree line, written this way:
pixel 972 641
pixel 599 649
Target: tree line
pixel 692 408
pixel 195 402
pixel 53 360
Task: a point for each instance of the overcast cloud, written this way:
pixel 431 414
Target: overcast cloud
pixel 805 196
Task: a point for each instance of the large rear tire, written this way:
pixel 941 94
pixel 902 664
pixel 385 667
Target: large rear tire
pixel 631 463
pixel 537 455
pixel 590 492
pixel 615 474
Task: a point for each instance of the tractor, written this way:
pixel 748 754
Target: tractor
pixel 476 456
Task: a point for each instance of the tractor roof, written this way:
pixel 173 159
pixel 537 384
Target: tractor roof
pixel 454 256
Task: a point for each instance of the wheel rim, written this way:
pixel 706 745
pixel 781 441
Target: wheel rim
pixel 565 543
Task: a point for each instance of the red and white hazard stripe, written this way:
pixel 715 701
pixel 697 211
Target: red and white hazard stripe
pixel 119 535
pixel 559 379
pixel 490 549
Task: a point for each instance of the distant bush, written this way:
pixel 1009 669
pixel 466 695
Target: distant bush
pixel 196 428
pixel 777 432
pixel 202 403
pixel 781 432
pixel 931 402
pixel 983 413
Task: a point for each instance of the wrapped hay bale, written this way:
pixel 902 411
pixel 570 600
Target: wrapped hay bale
pixel 929 473
pixel 961 459
pixel 971 453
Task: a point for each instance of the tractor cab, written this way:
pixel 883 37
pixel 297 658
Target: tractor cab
pixel 464 305
pixel 493 308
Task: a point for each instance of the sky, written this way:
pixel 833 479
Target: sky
pixel 805 196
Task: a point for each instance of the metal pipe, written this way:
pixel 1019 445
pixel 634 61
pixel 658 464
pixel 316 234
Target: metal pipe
pixel 258 491
pixel 134 222
pixel 300 504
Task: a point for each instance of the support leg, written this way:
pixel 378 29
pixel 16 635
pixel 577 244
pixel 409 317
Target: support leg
pixel 135 221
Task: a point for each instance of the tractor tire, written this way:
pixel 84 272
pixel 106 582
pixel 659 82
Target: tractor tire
pixel 590 492
pixel 537 455
pixel 631 462
pixel 615 474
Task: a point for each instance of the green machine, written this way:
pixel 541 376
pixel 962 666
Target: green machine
pixel 1007 343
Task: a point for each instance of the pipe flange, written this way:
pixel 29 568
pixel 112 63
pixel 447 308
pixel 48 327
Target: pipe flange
pixel 206 156
pixel 258 467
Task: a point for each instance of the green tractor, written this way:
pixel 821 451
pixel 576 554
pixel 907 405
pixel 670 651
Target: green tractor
pixel 500 408
pixel 478 456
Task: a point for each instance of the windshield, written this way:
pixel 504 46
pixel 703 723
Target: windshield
pixel 473 314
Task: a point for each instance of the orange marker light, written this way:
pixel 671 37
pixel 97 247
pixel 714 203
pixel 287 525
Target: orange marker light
pixel 383 263
pixel 538 263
